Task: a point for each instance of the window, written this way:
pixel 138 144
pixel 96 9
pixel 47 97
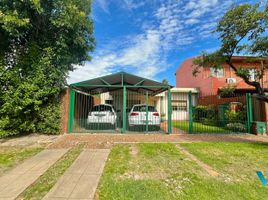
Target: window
pixel 143 108
pixel 179 105
pixel 109 102
pixel 252 74
pixel 219 73
pixel 102 108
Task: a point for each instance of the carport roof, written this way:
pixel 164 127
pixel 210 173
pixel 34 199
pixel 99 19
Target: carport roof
pixel 118 81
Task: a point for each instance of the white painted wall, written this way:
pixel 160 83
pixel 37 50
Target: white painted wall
pixel 162 105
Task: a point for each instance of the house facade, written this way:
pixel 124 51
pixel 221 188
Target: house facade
pixel 210 81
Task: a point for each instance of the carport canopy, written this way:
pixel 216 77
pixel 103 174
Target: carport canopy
pixel 118 81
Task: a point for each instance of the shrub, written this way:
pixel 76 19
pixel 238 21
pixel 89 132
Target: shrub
pixel 227 91
pixel 204 112
pixel 235 116
pixel 238 127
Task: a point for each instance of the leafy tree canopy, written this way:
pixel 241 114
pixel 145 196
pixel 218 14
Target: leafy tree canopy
pixel 40 40
pixel 242 30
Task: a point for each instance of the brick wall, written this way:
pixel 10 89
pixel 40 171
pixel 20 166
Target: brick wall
pixel 215 100
pixel 64 111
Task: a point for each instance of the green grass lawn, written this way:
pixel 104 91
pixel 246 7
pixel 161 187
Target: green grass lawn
pixel 199 127
pixel 161 171
pixel 12 156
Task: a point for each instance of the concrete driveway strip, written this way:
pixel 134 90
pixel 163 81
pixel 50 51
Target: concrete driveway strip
pixel 80 181
pixel 18 179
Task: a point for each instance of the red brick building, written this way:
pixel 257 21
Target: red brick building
pixel 210 81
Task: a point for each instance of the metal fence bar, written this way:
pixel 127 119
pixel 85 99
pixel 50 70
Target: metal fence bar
pixel 249 113
pixel 71 110
pixel 190 112
pixel 124 109
pixel 147 126
pixel 169 112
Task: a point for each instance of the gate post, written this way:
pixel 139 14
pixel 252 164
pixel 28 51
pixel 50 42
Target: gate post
pixel 190 112
pixel 71 110
pixel 169 112
pixel 124 109
pixel 249 113
pixel 147 127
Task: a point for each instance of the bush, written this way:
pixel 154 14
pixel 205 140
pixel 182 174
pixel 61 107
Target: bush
pixel 235 116
pixel 49 119
pixel 237 127
pixel 44 120
pixel 207 113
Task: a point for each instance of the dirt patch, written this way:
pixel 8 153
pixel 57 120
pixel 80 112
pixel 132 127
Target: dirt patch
pixel 143 176
pixel 106 141
pixel 204 166
pixel 29 140
pixel 134 150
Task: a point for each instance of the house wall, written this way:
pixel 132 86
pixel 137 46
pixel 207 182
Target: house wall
pixel 215 100
pixel 209 85
pixel 162 105
pixel 132 99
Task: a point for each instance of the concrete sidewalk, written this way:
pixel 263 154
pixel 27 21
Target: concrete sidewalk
pixel 17 180
pixel 80 181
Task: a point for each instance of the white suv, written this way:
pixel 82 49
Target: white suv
pixel 137 115
pixel 102 114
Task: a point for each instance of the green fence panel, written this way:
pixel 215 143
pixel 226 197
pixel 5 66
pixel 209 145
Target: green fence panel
pixel 169 112
pixel 190 112
pixel 249 113
pixel 71 110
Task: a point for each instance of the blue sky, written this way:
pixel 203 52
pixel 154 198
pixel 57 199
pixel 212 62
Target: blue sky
pixel 150 38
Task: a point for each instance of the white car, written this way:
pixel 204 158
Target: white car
pixel 102 114
pixel 137 115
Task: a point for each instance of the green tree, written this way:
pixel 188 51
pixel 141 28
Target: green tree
pixel 242 30
pixel 40 41
pixel 165 81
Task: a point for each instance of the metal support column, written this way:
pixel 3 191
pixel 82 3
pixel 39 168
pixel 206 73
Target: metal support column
pixel 124 110
pixel 71 110
pixel 190 112
pixel 169 112
pixel 147 126
pixel 249 113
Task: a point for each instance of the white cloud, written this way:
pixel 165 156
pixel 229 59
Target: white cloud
pixel 171 26
pixel 124 4
pixel 144 56
pixel 191 21
pixel 103 4
pixel 132 4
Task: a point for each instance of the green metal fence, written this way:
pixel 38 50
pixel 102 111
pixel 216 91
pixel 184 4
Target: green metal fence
pixel 214 114
pixel 125 103
pixel 124 109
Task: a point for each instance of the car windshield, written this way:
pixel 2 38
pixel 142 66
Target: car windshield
pixel 143 108
pixel 102 108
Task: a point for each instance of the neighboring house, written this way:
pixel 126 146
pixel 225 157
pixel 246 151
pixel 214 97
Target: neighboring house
pixel 179 101
pixel 210 81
